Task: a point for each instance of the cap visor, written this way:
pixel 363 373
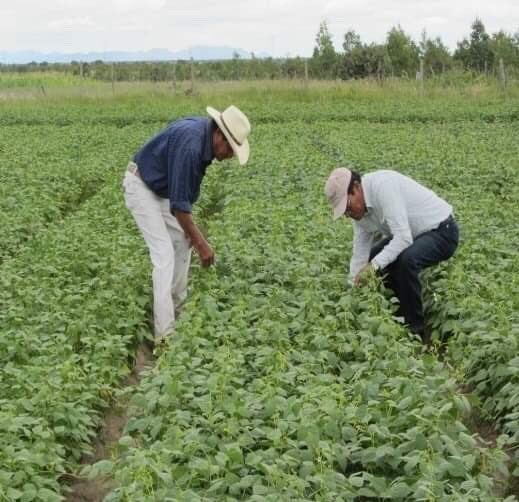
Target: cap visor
pixel 340 208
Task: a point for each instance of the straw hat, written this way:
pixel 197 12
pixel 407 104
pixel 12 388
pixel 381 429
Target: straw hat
pixel 236 127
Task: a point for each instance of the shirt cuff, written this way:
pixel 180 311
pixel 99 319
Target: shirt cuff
pixel 181 205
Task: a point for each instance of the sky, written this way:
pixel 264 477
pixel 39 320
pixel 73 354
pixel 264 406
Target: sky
pixel 280 28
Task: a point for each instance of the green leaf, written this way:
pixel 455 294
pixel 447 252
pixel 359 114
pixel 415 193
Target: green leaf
pixel 103 467
pixel 46 495
pixel 399 491
pixel 14 494
pixel 356 480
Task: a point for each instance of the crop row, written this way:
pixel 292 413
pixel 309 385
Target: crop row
pixel 343 103
pixel 48 172
pixel 474 300
pixel 478 312
pixel 72 307
pixel 475 169
pixel 282 384
pixel 476 305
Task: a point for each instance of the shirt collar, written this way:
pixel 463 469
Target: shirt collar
pixel 208 154
pixel 366 188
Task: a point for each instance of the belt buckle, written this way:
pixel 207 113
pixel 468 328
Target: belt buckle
pixel 133 169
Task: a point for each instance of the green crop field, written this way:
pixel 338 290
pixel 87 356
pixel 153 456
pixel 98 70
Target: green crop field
pixel 282 383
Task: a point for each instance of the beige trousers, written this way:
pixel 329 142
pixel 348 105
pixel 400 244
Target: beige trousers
pixel 169 248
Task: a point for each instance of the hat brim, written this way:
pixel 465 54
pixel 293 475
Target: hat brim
pixel 241 151
pixel 340 208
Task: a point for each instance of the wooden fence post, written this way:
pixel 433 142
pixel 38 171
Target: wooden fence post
pixel 502 74
pixel 380 72
pixel 113 78
pixel 192 76
pixel 421 76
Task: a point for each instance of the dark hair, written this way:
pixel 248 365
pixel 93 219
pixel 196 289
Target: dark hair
pixel 355 176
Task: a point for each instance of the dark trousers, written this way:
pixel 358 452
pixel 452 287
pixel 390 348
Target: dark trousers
pixel 402 276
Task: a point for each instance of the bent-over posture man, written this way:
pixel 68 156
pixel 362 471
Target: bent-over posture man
pixel 417 227
pixel 161 185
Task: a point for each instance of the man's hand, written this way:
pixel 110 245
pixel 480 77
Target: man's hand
pixel 198 241
pixel 205 252
pixel 365 273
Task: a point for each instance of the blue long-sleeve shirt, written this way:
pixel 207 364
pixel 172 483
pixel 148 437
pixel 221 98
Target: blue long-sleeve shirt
pixel 173 163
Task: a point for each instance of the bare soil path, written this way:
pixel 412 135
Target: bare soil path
pixel 114 421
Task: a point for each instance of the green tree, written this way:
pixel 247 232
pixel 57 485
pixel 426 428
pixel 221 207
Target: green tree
pixel 365 61
pixel 402 51
pixel 351 64
pixel 476 54
pixel 351 41
pixel 480 51
pixel 435 54
pixel 505 47
pixel 324 59
pixel 462 53
pixel 236 64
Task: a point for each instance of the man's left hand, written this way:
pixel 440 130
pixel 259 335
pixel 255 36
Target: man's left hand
pixel 365 272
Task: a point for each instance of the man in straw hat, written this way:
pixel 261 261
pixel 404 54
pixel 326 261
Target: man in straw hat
pixel 417 227
pixel 161 185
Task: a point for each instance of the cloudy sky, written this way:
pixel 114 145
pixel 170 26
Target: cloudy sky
pixel 279 27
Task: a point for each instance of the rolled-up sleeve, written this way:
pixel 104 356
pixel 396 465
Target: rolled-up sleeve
pixel 362 241
pixel 395 217
pixel 183 179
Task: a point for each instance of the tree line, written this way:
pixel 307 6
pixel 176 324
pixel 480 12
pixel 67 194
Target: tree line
pixel 398 56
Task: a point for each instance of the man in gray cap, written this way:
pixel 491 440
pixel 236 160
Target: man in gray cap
pixel 418 230
pixel 161 185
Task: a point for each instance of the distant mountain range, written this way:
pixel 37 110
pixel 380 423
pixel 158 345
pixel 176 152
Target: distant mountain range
pixel 200 53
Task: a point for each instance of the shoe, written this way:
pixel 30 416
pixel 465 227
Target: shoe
pixel 426 337
pixel 161 338
pixel 423 333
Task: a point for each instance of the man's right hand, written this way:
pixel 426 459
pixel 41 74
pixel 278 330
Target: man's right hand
pixel 364 274
pixel 198 241
pixel 205 252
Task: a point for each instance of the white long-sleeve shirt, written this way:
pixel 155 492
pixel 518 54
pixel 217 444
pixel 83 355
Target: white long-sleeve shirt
pixel 397 207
